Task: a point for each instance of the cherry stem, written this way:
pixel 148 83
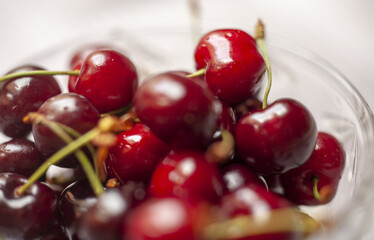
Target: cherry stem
pixel 119 111
pixel 38 73
pixel 197 73
pixel 58 156
pixel 83 159
pixel 259 36
pixel 315 181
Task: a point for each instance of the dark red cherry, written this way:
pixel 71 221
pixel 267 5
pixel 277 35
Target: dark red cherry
pixel 326 164
pixel 108 80
pixel 59 178
pixel 27 216
pixel 278 138
pixel 20 156
pixel 163 219
pixel 234 67
pixel 249 105
pixel 78 58
pixel 69 109
pixel 19 96
pixel 227 119
pixel 104 220
pixel 188 175
pixel 75 200
pixel 179 111
pixel 55 233
pixel 237 175
pixel 257 203
pixel 135 155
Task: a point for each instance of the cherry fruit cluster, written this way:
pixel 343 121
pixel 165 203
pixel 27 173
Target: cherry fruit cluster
pixel 181 156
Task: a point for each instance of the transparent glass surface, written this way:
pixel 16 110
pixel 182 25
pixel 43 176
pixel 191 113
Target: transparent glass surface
pixel 297 73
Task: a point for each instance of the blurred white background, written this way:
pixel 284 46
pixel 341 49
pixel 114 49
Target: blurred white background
pixel 340 31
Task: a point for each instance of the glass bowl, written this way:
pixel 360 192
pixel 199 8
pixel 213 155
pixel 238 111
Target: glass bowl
pixel 297 73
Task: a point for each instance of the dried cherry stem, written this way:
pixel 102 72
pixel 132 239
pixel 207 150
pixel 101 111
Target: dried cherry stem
pixel 279 220
pixel 81 156
pixel 101 156
pixel 105 125
pixel 198 73
pixel 259 36
pixel 221 150
pixel 38 73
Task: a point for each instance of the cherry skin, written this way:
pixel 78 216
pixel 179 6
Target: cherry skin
pixel 179 111
pixel 104 220
pixel 237 175
pixel 188 175
pixel 234 67
pixel 77 60
pixel 27 216
pixel 326 164
pixel 163 219
pixel 20 156
pixel 277 138
pixel 227 119
pixel 69 109
pixel 249 105
pixel 135 155
pixel 257 202
pixel 108 80
pixel 19 96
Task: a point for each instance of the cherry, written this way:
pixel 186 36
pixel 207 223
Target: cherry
pixel 247 106
pixel 104 220
pixel 71 110
pixel 163 219
pixel 188 175
pixel 277 138
pixel 234 67
pixel 179 111
pixel 18 96
pixel 26 216
pixel 108 80
pixel 237 175
pixel 55 233
pixel 59 178
pixel 325 165
pixel 257 202
pixel 227 119
pixel 135 155
pixel 78 58
pixel 75 200
pixel 20 156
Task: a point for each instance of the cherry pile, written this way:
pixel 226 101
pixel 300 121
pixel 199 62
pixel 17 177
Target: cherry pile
pixel 180 156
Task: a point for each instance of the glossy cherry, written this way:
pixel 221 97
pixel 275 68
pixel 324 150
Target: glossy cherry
pixel 234 67
pixel 20 156
pixel 163 219
pixel 27 216
pixel 75 200
pixel 277 138
pixel 104 220
pixel 19 96
pixel 108 80
pixel 227 119
pixel 188 175
pixel 69 109
pixel 257 202
pixel 325 164
pixel 78 58
pixel 237 175
pixel 135 155
pixel 179 111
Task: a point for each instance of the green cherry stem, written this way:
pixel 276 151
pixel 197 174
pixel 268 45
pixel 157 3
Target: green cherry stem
pixel 259 36
pixel 198 73
pixel 58 156
pixel 119 111
pixel 82 158
pixel 315 181
pixel 38 73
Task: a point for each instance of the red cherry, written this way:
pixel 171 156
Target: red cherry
pixel 163 219
pixel 227 119
pixel 188 175
pixel 135 155
pixel 179 111
pixel 234 67
pixel 257 202
pixel 108 80
pixel 325 164
pixel 277 138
